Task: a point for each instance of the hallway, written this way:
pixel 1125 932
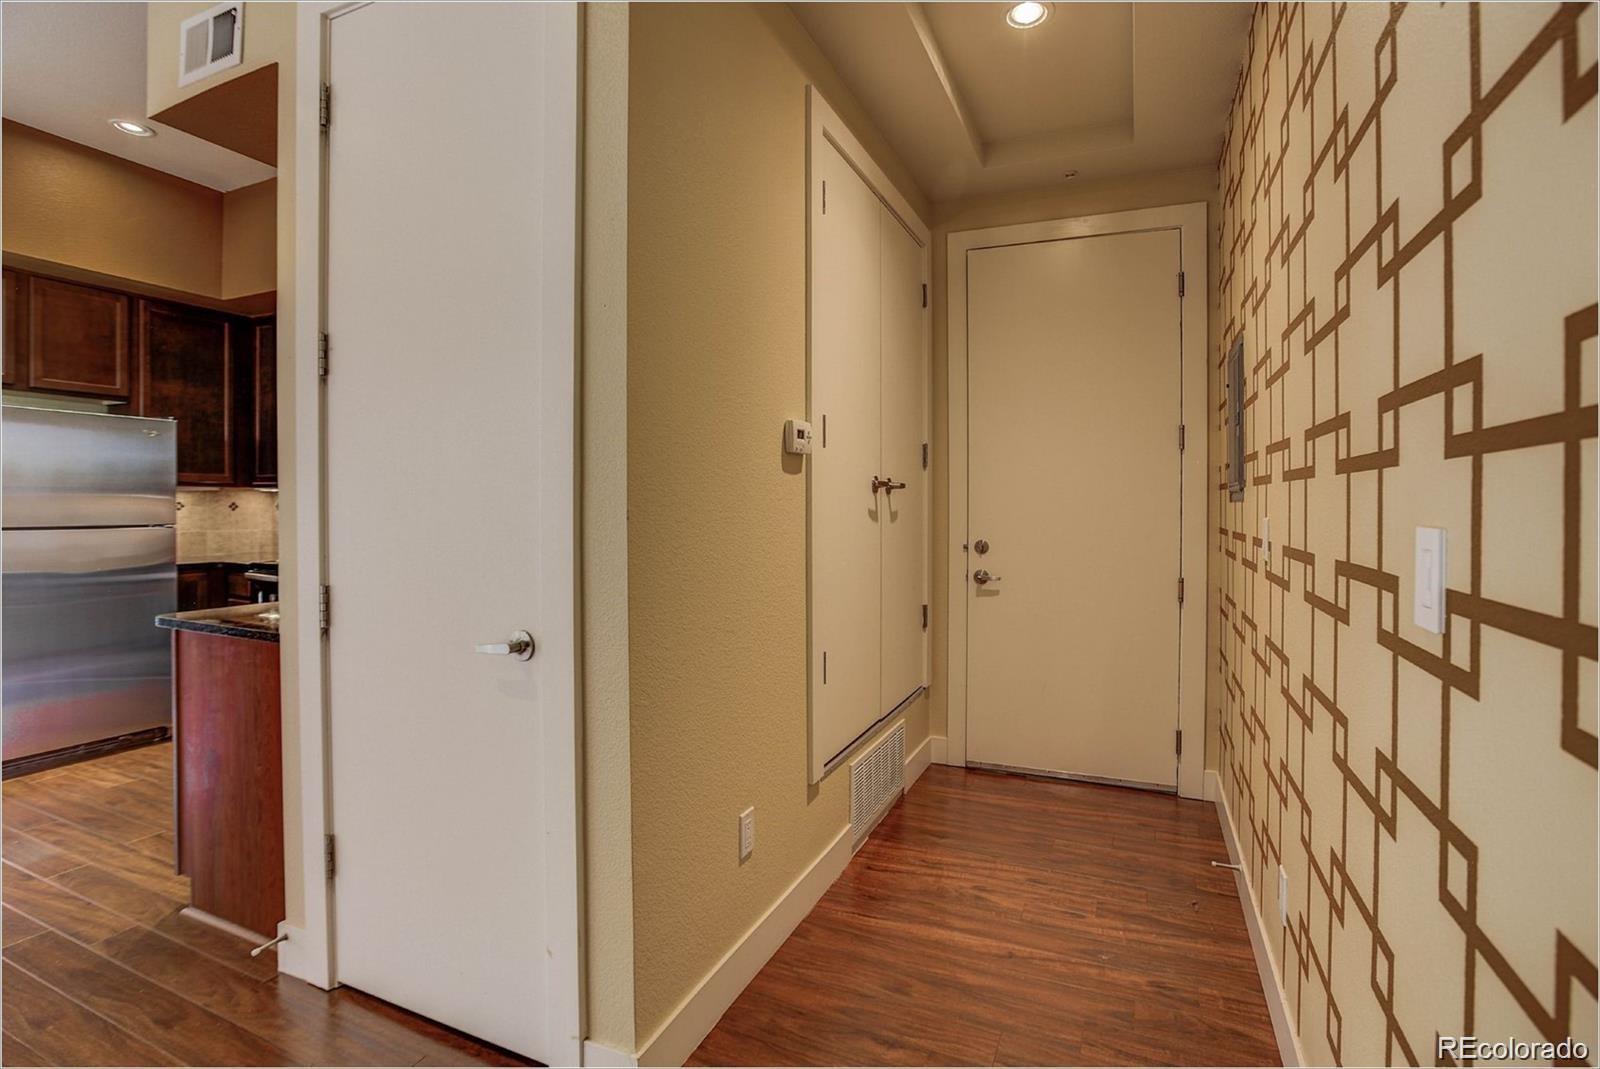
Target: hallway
pixel 1089 915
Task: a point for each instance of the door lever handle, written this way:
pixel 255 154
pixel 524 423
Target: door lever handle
pixel 983 578
pixel 519 645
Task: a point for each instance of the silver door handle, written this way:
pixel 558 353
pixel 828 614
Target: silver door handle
pixel 519 645
pixel 983 578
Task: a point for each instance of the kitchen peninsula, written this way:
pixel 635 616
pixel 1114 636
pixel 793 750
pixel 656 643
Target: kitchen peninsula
pixel 229 762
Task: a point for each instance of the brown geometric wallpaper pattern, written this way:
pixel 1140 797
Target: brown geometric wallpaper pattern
pixel 1407 244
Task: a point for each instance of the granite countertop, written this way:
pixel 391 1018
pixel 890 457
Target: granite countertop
pixel 259 622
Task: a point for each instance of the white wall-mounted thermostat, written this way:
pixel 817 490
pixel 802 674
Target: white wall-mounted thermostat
pixel 796 436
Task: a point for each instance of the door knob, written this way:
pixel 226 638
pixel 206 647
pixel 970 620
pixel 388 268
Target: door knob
pixel 983 578
pixel 519 645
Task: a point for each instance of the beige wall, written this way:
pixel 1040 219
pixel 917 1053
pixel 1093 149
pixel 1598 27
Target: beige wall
pixel 70 204
pixel 1068 200
pixel 249 239
pixel 74 205
pixel 716 543
pixel 607 768
pixel 1420 351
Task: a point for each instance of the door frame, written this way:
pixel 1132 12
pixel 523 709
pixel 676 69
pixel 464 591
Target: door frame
pixel 1190 222
pixel 308 952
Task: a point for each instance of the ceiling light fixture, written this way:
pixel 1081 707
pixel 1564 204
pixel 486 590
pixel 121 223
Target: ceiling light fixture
pixel 137 129
pixel 1028 14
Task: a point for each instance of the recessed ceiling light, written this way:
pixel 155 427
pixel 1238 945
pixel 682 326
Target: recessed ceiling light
pixel 1028 14
pixel 137 129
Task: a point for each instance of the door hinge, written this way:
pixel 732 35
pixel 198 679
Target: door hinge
pixel 1180 743
pixel 322 607
pixel 924 617
pixel 924 456
pixel 322 354
pixel 325 107
pixel 924 295
pixel 1180 437
pixel 1180 591
pixel 1180 283
pixel 824 196
pixel 824 667
pixel 327 856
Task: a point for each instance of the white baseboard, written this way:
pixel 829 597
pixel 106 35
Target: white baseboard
pixel 698 1014
pixel 918 760
pixel 596 1054
pixel 939 749
pixel 1277 1001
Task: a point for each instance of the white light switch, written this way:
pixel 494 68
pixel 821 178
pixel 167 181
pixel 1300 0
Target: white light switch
pixel 1427 599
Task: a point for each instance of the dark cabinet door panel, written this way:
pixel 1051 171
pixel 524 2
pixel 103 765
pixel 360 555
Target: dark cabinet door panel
pixel 15 299
pixel 186 373
pixel 266 403
pixel 77 339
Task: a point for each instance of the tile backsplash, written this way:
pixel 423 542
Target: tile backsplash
pixel 227 525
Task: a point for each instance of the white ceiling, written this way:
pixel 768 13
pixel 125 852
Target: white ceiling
pixel 973 106
pixel 72 67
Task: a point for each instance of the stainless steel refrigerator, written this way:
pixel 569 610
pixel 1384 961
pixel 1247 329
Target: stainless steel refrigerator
pixel 89 560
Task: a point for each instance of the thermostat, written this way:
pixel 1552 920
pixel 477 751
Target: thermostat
pixel 796 436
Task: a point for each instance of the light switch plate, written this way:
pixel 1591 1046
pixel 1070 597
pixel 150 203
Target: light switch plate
pixel 1428 575
pixel 747 833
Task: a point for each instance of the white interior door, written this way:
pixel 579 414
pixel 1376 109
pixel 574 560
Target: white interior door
pixel 846 414
pixel 449 406
pixel 902 510
pixel 1074 492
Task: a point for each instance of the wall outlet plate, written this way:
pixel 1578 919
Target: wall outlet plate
pixel 747 833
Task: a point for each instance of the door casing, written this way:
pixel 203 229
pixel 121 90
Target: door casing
pixel 1190 221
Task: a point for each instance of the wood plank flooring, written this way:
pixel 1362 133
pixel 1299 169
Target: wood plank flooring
pixel 1008 920
pixel 100 969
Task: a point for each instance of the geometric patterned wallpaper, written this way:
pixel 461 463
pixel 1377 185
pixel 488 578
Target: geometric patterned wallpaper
pixel 1407 246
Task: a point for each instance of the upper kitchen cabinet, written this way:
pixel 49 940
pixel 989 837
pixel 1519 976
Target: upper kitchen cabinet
pixel 186 371
pixel 14 299
pixel 264 403
pixel 77 338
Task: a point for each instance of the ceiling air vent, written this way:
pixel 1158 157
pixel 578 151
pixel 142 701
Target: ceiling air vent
pixel 210 41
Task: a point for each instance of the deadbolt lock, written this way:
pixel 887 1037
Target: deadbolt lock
pixel 981 546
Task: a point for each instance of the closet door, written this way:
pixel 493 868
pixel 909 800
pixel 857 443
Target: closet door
pixel 846 415
pixel 901 511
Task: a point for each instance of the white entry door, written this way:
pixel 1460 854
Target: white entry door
pixel 451 208
pixel 1074 360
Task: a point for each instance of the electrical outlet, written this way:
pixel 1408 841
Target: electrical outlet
pixel 1283 895
pixel 747 833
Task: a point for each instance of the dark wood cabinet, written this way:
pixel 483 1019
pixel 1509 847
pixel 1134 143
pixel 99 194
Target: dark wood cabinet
pixel 186 372
pixel 264 403
pixel 15 300
pixel 77 339
pixel 214 371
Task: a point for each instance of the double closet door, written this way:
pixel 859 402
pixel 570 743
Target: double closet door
pixel 868 484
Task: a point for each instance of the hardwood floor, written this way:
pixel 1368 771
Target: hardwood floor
pixel 1006 920
pixel 100 969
